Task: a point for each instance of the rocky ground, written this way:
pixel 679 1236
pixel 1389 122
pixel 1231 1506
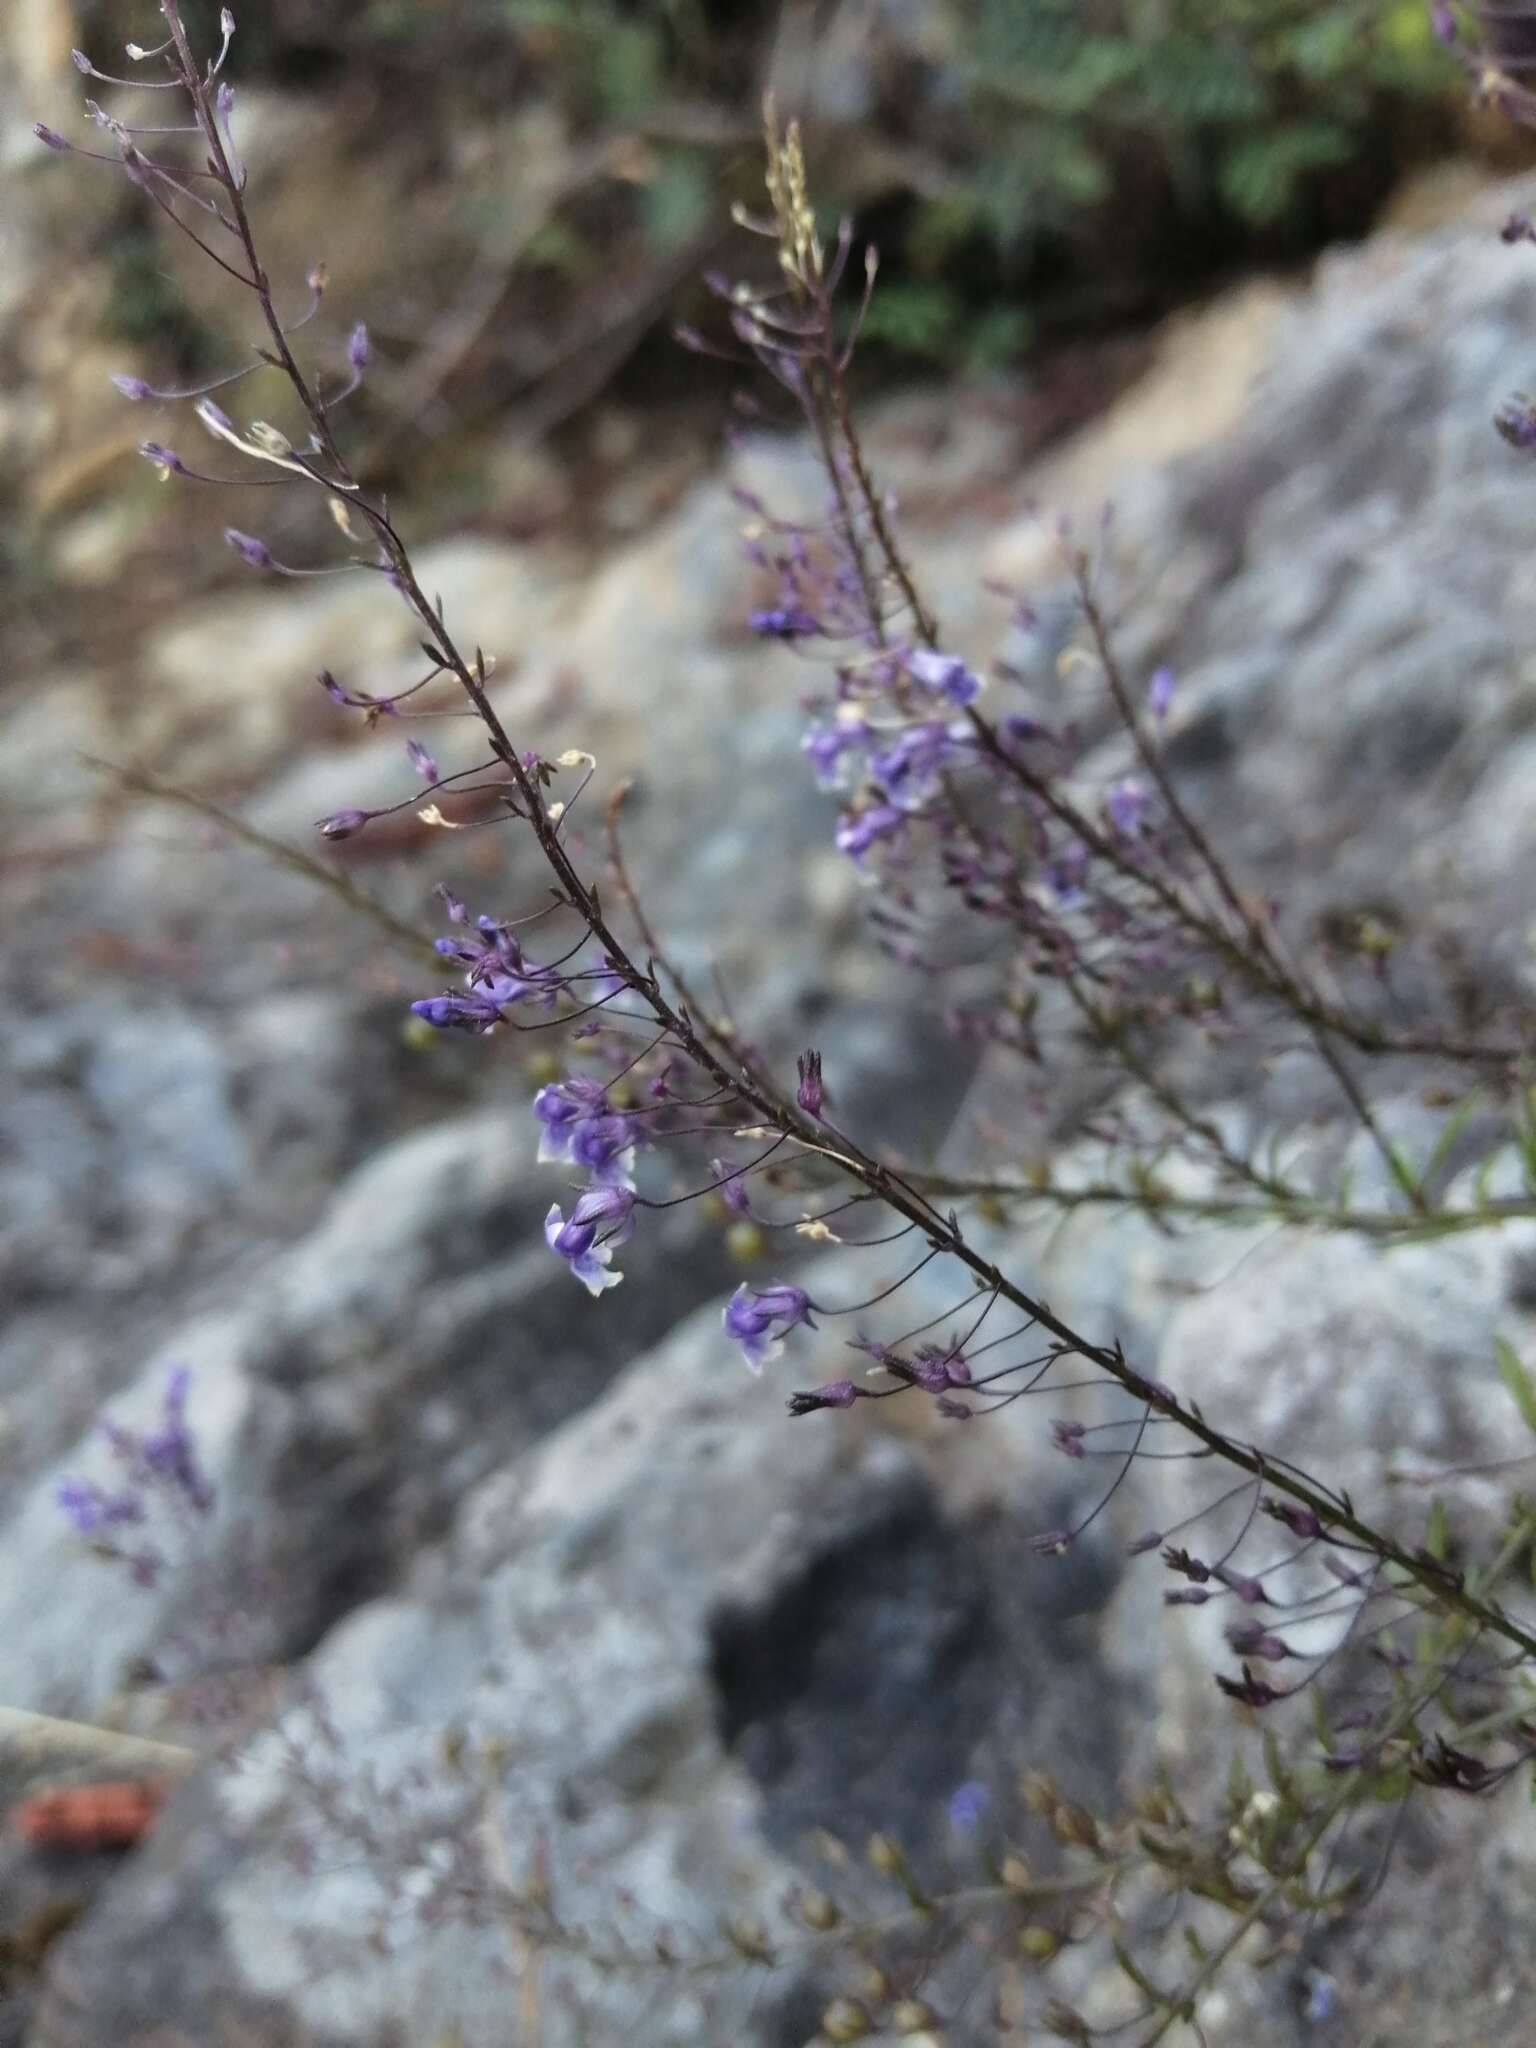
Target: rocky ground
pixel 507 1584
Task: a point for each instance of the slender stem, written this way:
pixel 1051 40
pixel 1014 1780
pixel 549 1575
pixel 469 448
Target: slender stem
pixel 943 1233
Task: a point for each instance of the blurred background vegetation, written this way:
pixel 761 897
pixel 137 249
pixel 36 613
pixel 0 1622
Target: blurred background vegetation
pixel 520 197
pixel 1026 165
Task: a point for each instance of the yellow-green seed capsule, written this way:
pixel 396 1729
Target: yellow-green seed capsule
pixel 818 1911
pixel 1038 1943
pixel 884 1855
pixel 912 2016
pixel 845 2020
pixel 744 1242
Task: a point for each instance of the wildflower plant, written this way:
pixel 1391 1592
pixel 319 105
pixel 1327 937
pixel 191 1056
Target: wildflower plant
pixel 973 810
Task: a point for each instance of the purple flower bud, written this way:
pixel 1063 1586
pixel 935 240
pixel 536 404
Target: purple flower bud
pixel 1301 1521
pixel 1186 1596
pixel 224 100
pixel 166 460
pixel 1160 692
pixel 52 138
pixel 81 62
pixel 1256 1692
pixel 1054 1543
pixel 449 1012
pixel 253 552
pixel 953 1410
pixel 332 688
pixel 858 831
pixel 1067 1437
pixel 358 348
pixel 752 1313
pixel 1250 1591
pixel 342 824
pixel 421 761
pixel 132 387
pixel 1442 22
pixel 214 417
pixel 1152 1540
pixel 810 1094
pixel 836 1394
pixel 1252 1639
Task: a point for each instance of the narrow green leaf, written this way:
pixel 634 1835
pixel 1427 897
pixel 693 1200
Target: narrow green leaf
pixel 1517 1379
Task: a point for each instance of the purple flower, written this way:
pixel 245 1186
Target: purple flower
pixel 51 137
pixel 752 1313
pixel 1442 22
pixel 170 1452
pixel 1127 804
pixel 968 1804
pixel 89 1508
pixel 496 972
pixel 421 761
pixel 358 348
pixel 909 768
pixel 944 673
pixel 605 1147
pixel 783 622
pixel 561 1107
pixel 601 1219
pixel 253 552
pixel 1160 692
pixel 132 387
pixel 858 831
pixel 825 746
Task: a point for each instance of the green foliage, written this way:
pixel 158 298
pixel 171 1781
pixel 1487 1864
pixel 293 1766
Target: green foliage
pixel 1238 103
pixel 1025 164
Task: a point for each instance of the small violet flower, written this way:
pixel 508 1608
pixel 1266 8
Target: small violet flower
pixel 944 673
pixel 759 1319
pixel 859 831
pixel 783 622
pixel 601 1219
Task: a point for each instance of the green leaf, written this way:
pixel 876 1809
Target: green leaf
pixel 1437 1537
pixel 1455 1124
pixel 1259 174
pixel 1517 1379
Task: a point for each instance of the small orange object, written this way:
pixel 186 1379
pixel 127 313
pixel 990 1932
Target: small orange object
pixel 115 1813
